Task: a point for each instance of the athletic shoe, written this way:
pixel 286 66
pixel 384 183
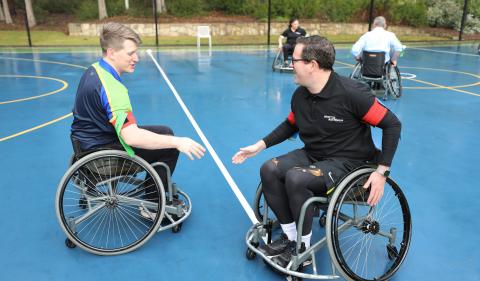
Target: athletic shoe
pixel 276 247
pixel 284 258
pixel 147 214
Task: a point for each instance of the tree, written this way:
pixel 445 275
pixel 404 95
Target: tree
pixel 127 6
pixel 30 15
pixel 2 16
pixel 102 9
pixel 6 11
pixel 161 7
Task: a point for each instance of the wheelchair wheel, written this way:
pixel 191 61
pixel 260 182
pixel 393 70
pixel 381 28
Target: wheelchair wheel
pixel 260 208
pixel 394 81
pixel 101 202
pixel 277 62
pixel 356 72
pixel 367 243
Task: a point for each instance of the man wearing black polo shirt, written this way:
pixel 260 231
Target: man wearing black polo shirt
pixel 333 116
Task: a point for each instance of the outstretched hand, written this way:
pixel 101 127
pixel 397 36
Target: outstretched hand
pixel 191 148
pixel 247 152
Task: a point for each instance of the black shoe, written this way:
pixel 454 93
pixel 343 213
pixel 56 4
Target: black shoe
pixel 284 258
pixel 276 247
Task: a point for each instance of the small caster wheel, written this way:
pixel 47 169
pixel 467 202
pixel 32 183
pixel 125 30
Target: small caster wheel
pixel 69 243
pixel 392 252
pixel 250 254
pixel 177 228
pixel 323 220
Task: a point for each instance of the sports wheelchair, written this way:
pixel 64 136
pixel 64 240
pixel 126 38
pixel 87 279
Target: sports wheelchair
pixel 109 203
pixel 364 242
pixel 279 64
pixel 383 78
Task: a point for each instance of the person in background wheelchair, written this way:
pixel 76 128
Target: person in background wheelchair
pixel 333 116
pixel 293 32
pixel 379 40
pixel 102 114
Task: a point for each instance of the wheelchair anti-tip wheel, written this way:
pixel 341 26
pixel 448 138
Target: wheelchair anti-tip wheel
pixel 101 202
pixel 367 243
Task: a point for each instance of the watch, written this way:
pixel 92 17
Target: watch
pixel 385 173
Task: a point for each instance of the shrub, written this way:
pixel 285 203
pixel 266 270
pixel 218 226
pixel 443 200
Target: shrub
pixel 184 8
pixel 87 10
pixel 412 13
pixel 444 13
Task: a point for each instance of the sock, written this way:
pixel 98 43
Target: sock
pixel 306 240
pixel 290 230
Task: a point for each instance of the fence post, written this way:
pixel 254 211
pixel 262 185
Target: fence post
pixel 464 17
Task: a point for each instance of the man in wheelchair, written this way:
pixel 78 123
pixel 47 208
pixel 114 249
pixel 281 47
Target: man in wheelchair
pixel 333 116
pixel 378 51
pixel 379 40
pixel 103 116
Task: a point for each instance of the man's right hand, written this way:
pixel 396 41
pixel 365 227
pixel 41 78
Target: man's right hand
pixel 190 147
pixel 247 152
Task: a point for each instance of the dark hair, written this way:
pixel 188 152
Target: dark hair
pixel 319 49
pixel 291 21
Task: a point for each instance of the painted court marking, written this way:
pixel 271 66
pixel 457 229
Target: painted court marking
pixel 221 166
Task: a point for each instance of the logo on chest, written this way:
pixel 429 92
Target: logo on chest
pixel 332 118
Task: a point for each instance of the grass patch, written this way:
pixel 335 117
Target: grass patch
pixel 55 38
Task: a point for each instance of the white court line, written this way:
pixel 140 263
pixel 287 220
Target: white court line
pixel 210 149
pixel 447 52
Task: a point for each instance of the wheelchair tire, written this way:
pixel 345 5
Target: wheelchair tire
pixel 259 205
pixel 394 81
pixel 99 208
pixel 356 72
pixel 367 243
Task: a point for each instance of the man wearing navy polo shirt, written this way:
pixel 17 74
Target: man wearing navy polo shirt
pixel 102 113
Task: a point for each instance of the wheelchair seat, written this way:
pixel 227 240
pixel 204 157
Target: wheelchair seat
pixel 383 78
pixel 364 242
pixel 109 203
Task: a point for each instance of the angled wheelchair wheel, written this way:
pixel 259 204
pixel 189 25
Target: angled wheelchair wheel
pixel 394 81
pixel 102 205
pixel 260 208
pixel 356 72
pixel 367 243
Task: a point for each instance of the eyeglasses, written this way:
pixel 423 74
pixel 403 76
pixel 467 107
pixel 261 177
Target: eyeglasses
pixel 295 60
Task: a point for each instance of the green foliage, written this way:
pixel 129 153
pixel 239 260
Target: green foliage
pixel 444 13
pixel 341 10
pixel 413 13
pixel 57 6
pixel 115 7
pixel 184 8
pixel 88 10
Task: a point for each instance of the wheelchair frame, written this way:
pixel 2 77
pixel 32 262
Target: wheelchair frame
pixel 96 195
pixel 391 80
pixel 278 63
pixel 263 231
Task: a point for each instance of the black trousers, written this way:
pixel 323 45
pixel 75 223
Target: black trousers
pixel 291 179
pixel 287 50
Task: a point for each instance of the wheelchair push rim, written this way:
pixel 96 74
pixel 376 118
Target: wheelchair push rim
pixel 100 198
pixel 367 243
pixel 394 82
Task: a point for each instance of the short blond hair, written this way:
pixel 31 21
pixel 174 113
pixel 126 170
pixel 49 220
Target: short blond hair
pixel 113 35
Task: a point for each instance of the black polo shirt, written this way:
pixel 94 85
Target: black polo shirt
pixel 335 123
pixel 293 35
